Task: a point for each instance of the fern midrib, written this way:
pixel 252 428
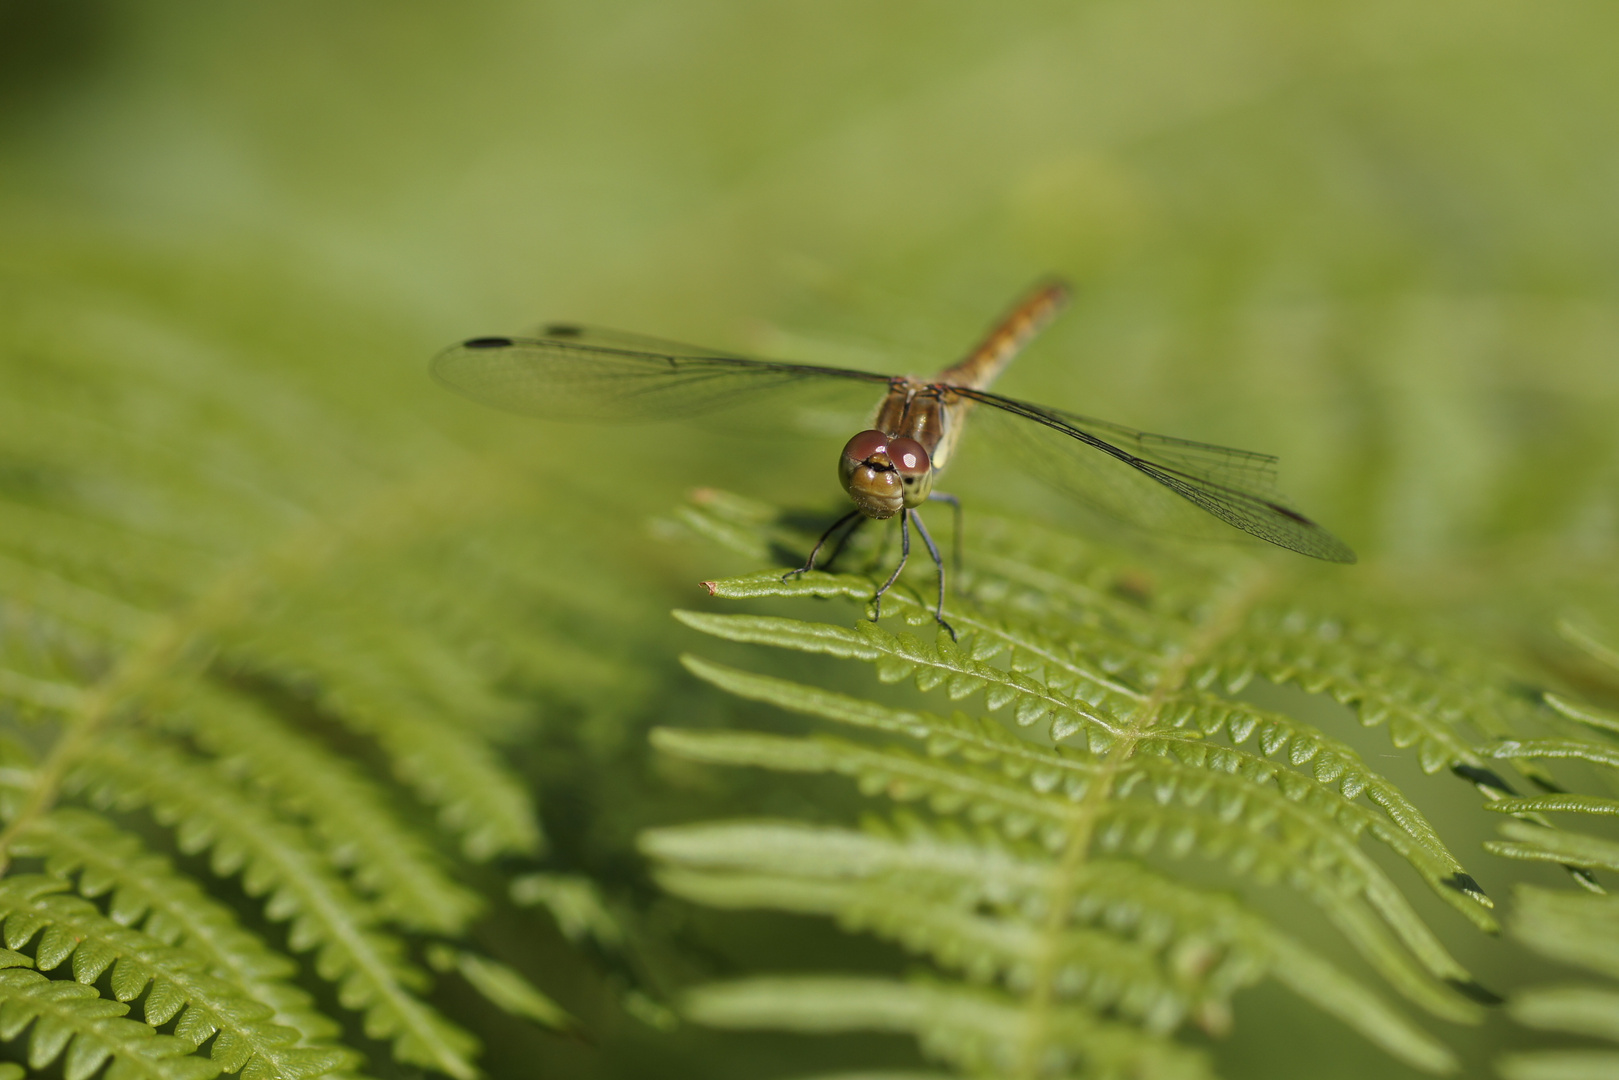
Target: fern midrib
pixel 1041 1002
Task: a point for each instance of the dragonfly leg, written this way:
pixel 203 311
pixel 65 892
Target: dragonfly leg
pixel 843 541
pixel 809 564
pixel 933 549
pixel 904 553
pixel 955 535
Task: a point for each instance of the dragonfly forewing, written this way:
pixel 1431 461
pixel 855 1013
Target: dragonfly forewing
pixel 565 379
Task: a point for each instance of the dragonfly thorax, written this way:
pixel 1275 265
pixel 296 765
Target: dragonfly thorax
pixel 884 474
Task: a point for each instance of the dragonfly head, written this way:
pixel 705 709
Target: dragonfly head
pixel 883 474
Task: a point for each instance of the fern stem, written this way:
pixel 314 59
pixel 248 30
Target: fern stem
pixel 1225 620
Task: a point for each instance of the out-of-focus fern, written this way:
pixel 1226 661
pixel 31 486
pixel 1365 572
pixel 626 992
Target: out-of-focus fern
pixel 224 613
pixel 1572 927
pixel 1096 745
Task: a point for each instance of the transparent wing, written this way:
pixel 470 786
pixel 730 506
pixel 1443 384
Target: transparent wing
pixel 624 341
pixel 577 377
pixel 1153 480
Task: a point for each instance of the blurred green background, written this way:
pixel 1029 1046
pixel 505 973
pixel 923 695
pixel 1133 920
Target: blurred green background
pixel 1379 239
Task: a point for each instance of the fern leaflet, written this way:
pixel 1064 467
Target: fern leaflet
pixel 1037 870
pixel 1574 928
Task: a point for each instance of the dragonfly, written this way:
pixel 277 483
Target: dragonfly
pixel 573 372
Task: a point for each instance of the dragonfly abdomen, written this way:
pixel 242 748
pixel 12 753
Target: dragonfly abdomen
pixel 1008 338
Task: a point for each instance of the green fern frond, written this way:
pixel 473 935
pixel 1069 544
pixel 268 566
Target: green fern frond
pixel 172 980
pixel 1574 928
pixel 279 862
pixel 1140 944
pixel 977 1029
pixel 1037 871
pixel 298 632
pixel 1201 806
pixel 460 776
pixel 574 902
pixel 1582 930
pixel 1120 616
pixel 503 987
pixel 144 890
pixel 348 812
pixel 1426 698
pixel 73 1017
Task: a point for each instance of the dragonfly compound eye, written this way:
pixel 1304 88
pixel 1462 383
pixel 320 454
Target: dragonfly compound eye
pixel 910 460
pixel 869 478
pixel 864 446
pixel 914 469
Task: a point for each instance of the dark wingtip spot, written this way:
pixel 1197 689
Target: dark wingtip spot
pixel 487 343
pixel 1585 878
pixel 1478 992
pixel 1289 512
pixel 1465 883
pixel 1547 786
pixel 562 330
pixel 1482 777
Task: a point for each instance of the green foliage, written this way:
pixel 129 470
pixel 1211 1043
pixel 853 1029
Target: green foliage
pixel 273 661
pixel 326 695
pixel 59 1013
pixel 1574 928
pixel 1039 869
